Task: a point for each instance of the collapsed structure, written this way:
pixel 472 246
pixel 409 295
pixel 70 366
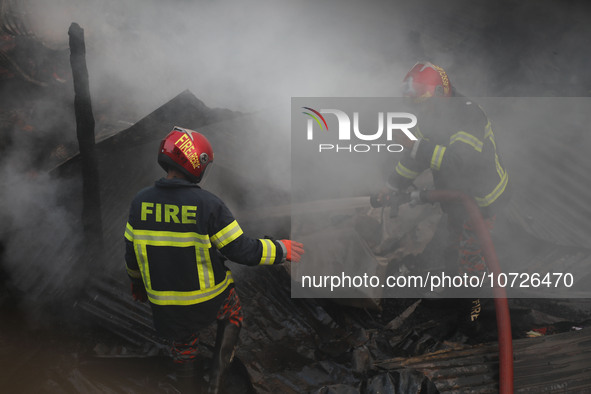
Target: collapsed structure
pixel 305 344
pixel 294 345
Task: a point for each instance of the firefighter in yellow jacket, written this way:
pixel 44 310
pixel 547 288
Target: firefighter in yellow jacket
pixel 177 238
pixel 456 142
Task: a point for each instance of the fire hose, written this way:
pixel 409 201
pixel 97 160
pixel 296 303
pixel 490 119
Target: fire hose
pixel 394 199
pixel 492 262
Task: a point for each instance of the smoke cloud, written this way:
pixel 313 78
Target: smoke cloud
pixel 42 240
pixel 243 56
pixel 256 55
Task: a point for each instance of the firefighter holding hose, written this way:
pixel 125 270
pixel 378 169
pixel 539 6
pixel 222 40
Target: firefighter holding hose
pixel 177 238
pixel 456 142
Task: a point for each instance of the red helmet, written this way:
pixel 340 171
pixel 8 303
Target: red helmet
pixel 426 80
pixel 186 150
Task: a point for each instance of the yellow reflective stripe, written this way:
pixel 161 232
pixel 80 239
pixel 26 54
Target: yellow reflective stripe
pixel 129 232
pixel 488 132
pixel 406 172
pixel 141 255
pixel 189 297
pixel 462 136
pixel 200 242
pixel 491 197
pixel 269 252
pixel 134 273
pixel 226 235
pixel 491 137
pixel 418 133
pixel 171 238
pixel 204 268
pixel 437 157
pixel 500 169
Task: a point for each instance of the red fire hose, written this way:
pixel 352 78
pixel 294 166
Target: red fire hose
pixel 500 296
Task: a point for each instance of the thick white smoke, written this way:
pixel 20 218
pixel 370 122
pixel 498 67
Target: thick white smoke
pixel 250 56
pixel 41 238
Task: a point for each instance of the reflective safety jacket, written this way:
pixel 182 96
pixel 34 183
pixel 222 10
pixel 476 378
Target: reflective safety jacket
pixel 457 143
pixel 176 239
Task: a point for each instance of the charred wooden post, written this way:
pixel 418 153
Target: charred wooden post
pixel 91 210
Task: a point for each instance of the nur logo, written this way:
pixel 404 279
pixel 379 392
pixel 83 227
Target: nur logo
pixel 394 122
pixel 315 117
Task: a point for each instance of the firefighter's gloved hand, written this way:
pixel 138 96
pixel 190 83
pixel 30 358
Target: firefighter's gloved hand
pixel 293 250
pixel 383 198
pixel 378 200
pixel 416 198
pixel 138 292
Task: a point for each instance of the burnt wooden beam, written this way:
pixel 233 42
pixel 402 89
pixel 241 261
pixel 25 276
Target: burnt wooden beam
pixel 91 207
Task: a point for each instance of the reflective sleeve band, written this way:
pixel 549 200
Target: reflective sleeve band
pixel 284 250
pixel 129 232
pixel 462 136
pixel 226 235
pixel 405 172
pixel 136 274
pixel 496 193
pixel 437 157
pixel 269 252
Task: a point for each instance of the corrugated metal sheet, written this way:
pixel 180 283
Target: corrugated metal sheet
pixel 475 369
pixel 127 163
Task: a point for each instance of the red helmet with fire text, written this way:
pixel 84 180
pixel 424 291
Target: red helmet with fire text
pixel 186 150
pixel 426 80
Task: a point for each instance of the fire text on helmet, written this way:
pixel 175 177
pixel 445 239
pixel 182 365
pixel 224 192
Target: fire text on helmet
pixel 186 146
